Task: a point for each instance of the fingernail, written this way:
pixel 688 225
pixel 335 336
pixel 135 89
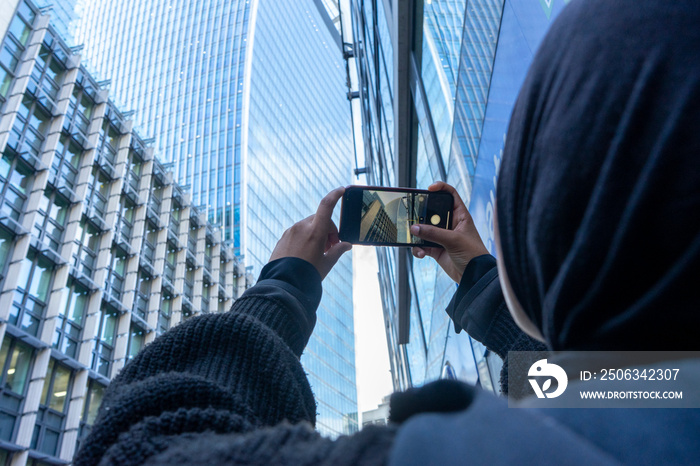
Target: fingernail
pixel 415 229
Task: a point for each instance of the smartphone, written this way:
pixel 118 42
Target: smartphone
pixel 381 216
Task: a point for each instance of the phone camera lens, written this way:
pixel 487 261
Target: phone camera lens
pixel 435 219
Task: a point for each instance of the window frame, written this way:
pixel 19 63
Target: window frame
pixel 23 295
pixel 4 392
pixel 46 413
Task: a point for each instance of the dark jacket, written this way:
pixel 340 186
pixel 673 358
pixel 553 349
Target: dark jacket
pixel 229 389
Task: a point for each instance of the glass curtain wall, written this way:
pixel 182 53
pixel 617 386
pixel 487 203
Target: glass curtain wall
pixel 463 66
pixel 180 65
pixel 299 147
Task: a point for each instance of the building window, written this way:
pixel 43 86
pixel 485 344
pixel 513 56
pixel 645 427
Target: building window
pixel 135 166
pixel 51 219
pixel 192 239
pixel 47 73
pixel 148 247
pixel 6 241
pixel 15 179
pixel 79 112
pixel 71 315
pixel 114 285
pixel 15 362
pixel 137 339
pixel 154 202
pixel 186 311
pixel 107 146
pixel 143 295
pixel 103 348
pixel 32 293
pixel 126 218
pixel 207 256
pixel 222 274
pixel 93 400
pixel 170 263
pixel 17 36
pixel 189 282
pixel 5 457
pixel 85 257
pixel 166 308
pixel 52 409
pixel 97 193
pixel 174 226
pixel 206 288
pixel 30 128
pixel 65 163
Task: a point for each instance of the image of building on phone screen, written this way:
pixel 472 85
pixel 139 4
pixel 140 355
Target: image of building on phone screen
pixel 387 216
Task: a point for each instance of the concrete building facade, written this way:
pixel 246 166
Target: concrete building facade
pixel 100 250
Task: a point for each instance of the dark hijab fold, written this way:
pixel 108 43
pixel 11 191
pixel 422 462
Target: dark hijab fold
pixel 599 190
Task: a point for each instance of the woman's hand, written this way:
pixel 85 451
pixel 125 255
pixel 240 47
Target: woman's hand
pixel 315 239
pixel 462 243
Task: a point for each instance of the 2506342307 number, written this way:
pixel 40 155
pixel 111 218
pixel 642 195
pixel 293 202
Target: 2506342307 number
pixel 636 374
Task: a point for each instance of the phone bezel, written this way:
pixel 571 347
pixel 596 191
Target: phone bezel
pixel 346 210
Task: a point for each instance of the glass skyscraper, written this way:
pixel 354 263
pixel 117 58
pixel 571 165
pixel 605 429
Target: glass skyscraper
pixel 436 81
pixel 246 101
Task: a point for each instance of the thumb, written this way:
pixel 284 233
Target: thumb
pixel 333 255
pixel 441 236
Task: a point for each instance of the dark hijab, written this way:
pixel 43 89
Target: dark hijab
pixel 599 191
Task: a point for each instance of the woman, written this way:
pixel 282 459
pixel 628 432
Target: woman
pixel 599 232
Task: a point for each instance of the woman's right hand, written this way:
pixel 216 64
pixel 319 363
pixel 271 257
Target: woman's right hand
pixel 461 244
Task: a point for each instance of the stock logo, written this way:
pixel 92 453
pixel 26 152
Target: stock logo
pixel 542 368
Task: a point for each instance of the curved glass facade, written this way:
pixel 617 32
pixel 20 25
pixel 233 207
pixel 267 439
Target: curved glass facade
pixel 180 65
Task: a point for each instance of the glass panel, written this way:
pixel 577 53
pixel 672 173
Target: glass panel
pixel 166 306
pixel 4 349
pixel 20 178
pixel 109 325
pixel 136 341
pixel 58 212
pixel 47 381
pixel 5 165
pixel 119 265
pixel 23 280
pixel 5 81
pixel 18 370
pixel 77 306
pixel 5 246
pixel 60 388
pixel 95 400
pixel 41 280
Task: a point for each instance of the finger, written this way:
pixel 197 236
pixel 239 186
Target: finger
pixel 334 253
pixel 458 206
pixel 433 252
pixel 332 237
pixel 420 253
pixel 326 206
pixel 446 238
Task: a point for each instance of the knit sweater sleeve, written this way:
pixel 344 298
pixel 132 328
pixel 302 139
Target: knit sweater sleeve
pixel 231 374
pixel 478 307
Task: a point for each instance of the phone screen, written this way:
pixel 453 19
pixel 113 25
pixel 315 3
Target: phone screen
pixel 385 216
